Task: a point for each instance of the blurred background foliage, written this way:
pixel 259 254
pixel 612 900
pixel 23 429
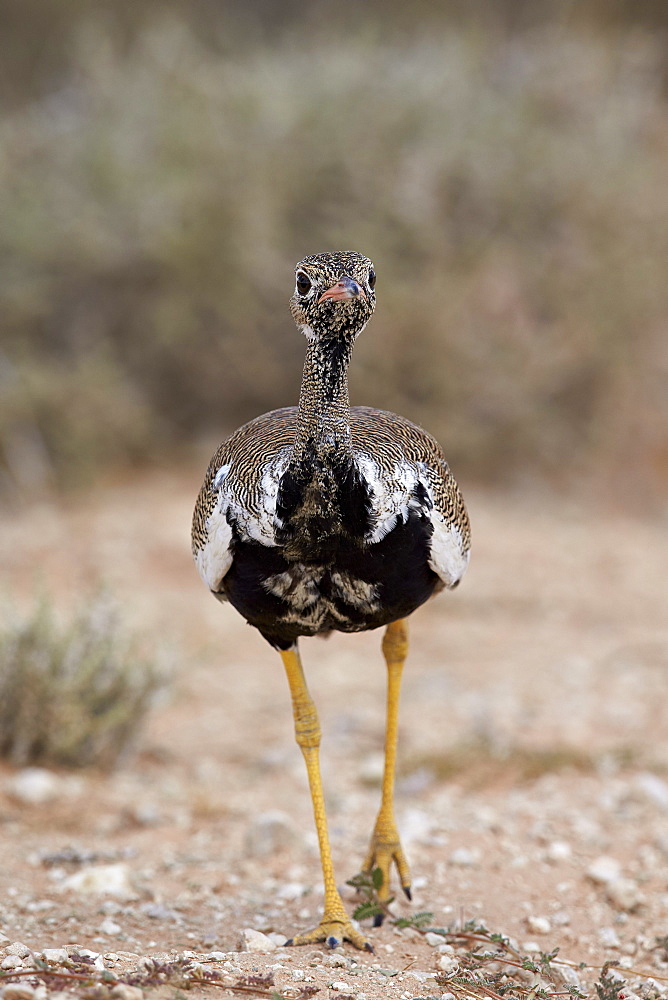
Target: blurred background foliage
pixel 504 162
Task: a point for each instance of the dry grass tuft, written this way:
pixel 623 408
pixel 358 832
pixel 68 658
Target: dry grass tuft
pixel 72 695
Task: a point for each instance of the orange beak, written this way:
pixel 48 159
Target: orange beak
pixel 345 288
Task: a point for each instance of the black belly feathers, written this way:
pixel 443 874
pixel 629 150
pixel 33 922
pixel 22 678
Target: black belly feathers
pixel 323 574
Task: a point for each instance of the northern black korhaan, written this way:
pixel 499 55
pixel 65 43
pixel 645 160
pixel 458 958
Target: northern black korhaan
pixel 329 517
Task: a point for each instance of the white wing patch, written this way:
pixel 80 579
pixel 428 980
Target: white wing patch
pixel 393 497
pixel 393 494
pixel 215 558
pixel 252 517
pixel 447 557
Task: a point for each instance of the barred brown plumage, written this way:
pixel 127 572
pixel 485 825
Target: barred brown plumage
pixel 327 517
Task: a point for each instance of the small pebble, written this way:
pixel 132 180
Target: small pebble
pixel 604 870
pixel 558 850
pixel 531 947
pixel 18 948
pixel 654 789
pixel 55 956
pixel 624 894
pixel 252 940
pixel 538 925
pixel 435 940
pixel 608 937
pixel 464 857
pixel 11 962
pixel 34 786
pixel 338 961
pixel 113 880
pixel 109 926
pixel 448 964
pixel 371 768
pixel 339 986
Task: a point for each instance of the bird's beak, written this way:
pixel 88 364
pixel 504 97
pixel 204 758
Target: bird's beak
pixel 345 288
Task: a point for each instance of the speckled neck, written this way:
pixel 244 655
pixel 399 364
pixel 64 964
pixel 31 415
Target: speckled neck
pixel 323 425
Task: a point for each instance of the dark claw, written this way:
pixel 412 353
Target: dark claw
pixel 369 947
pixel 378 919
pixel 332 942
pixel 407 890
pixel 289 942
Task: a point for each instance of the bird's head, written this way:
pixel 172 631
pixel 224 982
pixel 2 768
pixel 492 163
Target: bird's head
pixel 334 295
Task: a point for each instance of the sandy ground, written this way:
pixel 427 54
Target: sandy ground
pixel 532 745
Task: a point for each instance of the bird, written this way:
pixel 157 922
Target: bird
pixel 327 517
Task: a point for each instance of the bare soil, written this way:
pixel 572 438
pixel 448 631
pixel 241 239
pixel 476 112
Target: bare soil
pixel 533 741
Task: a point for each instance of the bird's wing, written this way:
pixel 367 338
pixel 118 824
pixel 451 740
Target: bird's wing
pixel 407 474
pixel 238 496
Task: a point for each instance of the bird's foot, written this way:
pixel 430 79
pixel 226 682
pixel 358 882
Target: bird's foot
pixel 385 850
pixel 333 931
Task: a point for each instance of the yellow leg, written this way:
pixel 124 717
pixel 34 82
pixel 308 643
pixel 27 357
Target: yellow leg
pixel 385 845
pixel 335 925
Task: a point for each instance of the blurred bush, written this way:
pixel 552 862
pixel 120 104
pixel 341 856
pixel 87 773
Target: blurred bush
pixel 72 695
pixel 510 189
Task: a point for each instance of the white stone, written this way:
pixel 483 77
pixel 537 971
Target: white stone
pixel 109 926
pixel 608 937
pixel 55 956
pixel 434 940
pixel 252 940
pixel 338 961
pixel 11 962
pixel 291 891
pixel 112 880
pixel 654 789
pixel 448 964
pixel 539 925
pixel 34 786
pixel 371 769
pixel 558 850
pixel 339 986
pixel 624 894
pixel 17 948
pixel 604 869
pixel 464 857
pixel 278 939
pixel 567 974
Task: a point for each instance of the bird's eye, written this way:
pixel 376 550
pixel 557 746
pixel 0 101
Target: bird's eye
pixel 303 283
pixel 372 279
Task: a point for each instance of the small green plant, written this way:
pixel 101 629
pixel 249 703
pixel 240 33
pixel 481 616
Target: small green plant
pixel 372 907
pixel 72 695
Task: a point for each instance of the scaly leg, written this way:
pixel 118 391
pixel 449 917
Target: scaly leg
pixel 385 844
pixel 335 925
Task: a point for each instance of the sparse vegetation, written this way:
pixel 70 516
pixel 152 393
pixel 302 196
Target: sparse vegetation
pixel 72 695
pixel 511 191
pixel 478 763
